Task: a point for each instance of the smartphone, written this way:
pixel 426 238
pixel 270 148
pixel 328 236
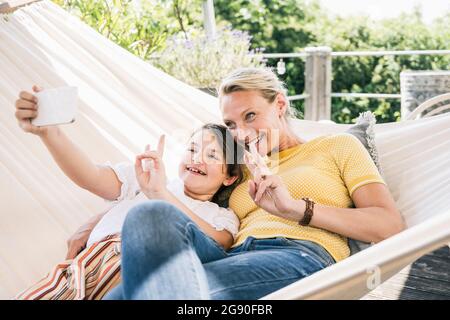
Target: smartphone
pixel 56 106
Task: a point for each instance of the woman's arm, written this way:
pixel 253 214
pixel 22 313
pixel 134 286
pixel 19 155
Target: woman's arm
pixel 99 180
pixel 374 219
pixel 77 242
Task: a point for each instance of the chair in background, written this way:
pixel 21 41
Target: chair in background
pixel 431 107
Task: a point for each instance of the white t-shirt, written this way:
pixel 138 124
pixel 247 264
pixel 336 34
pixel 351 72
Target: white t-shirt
pixel 130 195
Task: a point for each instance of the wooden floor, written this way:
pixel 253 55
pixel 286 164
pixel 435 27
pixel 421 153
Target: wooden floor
pixel 426 279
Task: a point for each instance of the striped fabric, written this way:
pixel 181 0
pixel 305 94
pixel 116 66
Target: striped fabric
pixel 92 274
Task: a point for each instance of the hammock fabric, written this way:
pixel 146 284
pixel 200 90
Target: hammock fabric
pixel 126 103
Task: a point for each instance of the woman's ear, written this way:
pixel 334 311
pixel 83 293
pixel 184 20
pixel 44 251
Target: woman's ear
pixel 229 181
pixel 281 103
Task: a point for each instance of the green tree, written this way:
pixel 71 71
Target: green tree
pixel 142 29
pixel 285 26
pixel 291 25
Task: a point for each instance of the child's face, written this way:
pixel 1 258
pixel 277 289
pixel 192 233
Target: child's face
pixel 203 168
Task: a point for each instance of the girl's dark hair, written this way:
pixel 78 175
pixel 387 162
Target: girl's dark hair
pixel 233 154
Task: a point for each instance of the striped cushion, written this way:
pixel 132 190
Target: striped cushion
pixel 92 274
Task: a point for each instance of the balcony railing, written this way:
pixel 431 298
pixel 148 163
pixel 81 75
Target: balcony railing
pixel 318 75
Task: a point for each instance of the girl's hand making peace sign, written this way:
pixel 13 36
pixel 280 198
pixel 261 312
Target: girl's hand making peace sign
pixel 152 179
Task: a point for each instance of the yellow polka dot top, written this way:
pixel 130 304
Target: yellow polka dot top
pixel 327 169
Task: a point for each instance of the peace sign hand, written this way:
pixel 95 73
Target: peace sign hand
pixel 268 190
pixel 152 180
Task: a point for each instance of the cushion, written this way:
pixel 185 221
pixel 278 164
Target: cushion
pixel 364 131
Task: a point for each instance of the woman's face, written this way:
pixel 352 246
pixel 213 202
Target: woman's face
pixel 253 119
pixel 203 168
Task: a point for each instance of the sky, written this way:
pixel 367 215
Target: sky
pixel 379 9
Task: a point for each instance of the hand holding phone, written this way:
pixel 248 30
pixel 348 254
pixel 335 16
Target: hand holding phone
pixel 56 106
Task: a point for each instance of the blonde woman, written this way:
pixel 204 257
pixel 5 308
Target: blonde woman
pixel 297 206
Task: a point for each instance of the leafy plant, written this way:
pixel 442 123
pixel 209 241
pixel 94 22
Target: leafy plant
pixel 202 62
pixel 141 29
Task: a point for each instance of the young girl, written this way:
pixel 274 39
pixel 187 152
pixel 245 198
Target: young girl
pixel 208 172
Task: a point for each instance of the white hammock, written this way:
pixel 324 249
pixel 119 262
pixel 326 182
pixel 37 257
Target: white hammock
pixel 126 103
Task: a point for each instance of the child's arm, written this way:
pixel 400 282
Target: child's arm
pixel 99 180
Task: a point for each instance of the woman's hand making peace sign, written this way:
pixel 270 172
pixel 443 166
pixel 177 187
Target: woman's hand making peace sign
pixel 152 179
pixel 268 190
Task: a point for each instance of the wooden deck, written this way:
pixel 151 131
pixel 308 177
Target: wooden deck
pixel 426 279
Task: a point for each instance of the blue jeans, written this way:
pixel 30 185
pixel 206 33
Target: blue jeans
pixel 166 256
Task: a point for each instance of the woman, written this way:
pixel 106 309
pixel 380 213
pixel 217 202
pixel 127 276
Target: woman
pixel 284 236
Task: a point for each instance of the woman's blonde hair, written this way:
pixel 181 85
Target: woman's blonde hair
pixel 263 80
